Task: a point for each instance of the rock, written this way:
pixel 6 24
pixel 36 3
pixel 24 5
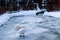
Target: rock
pixel 42 12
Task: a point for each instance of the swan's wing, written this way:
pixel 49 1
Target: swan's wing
pixel 21 31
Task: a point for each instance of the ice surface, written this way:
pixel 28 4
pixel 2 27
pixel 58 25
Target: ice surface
pixel 41 26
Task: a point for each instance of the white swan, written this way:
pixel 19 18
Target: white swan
pixel 21 30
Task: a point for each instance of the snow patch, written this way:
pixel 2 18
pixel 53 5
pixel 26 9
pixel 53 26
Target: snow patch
pixel 54 14
pixel 4 18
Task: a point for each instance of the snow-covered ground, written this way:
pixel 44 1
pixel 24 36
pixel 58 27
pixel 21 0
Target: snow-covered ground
pixel 41 27
pixel 5 17
pixel 54 14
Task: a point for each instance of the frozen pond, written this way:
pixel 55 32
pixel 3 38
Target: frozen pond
pixel 37 28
